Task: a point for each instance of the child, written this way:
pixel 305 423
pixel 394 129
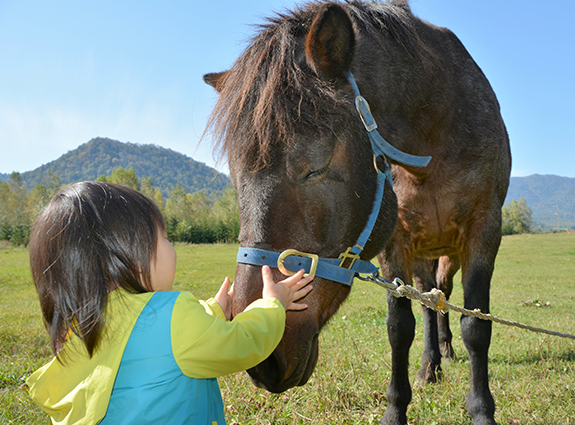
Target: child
pixel 128 349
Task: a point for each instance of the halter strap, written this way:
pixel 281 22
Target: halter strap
pixel 327 268
pixel 348 265
pixel 379 145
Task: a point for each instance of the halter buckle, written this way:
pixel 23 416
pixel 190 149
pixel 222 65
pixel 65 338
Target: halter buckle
pixel 348 255
pixel 365 113
pixel 281 260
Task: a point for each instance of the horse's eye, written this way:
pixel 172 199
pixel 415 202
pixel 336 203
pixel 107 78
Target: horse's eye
pixel 315 174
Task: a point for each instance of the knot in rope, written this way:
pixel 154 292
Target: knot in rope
pixel 436 300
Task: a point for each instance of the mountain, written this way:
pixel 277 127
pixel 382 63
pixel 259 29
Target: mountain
pixel 100 156
pixel 547 195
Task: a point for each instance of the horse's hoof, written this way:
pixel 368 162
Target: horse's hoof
pixel 428 375
pixel 484 421
pixel 447 351
pixel 393 416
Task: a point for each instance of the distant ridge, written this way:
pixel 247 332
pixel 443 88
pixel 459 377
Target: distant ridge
pixel 547 195
pixel 101 155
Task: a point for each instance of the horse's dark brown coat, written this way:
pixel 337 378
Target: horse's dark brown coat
pixel 302 164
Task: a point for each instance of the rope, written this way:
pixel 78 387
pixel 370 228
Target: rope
pixel 436 300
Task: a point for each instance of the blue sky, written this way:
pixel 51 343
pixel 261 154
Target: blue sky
pixel 132 71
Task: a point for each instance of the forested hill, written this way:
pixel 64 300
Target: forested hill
pixel 100 156
pixel 546 195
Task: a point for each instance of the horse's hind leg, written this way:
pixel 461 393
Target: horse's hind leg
pixel 431 358
pixel 477 260
pixel 446 269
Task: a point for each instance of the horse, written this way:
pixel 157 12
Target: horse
pixel 293 119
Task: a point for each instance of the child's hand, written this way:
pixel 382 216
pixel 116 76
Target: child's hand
pixel 288 290
pixel 225 297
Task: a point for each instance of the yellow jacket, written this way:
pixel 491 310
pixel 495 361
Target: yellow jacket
pixel 204 345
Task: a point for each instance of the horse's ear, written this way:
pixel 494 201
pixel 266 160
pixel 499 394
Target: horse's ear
pixel 330 43
pixel 215 79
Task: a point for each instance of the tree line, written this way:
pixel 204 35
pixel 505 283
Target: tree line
pixel 190 217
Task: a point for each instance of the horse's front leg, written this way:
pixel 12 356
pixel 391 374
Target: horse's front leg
pixel 477 261
pixel 400 330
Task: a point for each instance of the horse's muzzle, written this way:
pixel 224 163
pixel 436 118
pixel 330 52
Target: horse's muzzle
pixel 277 373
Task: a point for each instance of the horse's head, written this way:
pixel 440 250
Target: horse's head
pixel 303 167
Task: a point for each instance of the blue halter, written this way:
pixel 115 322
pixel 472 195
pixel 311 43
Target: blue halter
pixel 348 265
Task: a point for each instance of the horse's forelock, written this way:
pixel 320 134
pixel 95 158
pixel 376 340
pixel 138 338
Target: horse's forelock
pixel 270 96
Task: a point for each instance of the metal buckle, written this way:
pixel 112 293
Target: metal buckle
pixel 281 259
pixel 345 255
pixel 365 113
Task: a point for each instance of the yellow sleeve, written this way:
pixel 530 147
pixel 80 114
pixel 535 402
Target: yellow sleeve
pixel 213 308
pixel 205 346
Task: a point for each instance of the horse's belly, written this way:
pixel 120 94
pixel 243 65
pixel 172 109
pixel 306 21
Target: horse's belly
pixel 433 246
pixel 428 235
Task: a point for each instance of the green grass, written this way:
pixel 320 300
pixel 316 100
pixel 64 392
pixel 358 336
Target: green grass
pixel 532 375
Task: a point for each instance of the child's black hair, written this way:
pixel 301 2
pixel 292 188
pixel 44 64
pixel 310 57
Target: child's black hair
pixel 92 238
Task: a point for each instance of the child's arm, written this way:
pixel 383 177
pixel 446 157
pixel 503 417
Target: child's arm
pixel 206 347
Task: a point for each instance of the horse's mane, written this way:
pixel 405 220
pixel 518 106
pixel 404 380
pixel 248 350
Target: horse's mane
pixel 270 95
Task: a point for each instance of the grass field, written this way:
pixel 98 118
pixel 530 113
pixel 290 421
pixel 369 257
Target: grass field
pixel 532 375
